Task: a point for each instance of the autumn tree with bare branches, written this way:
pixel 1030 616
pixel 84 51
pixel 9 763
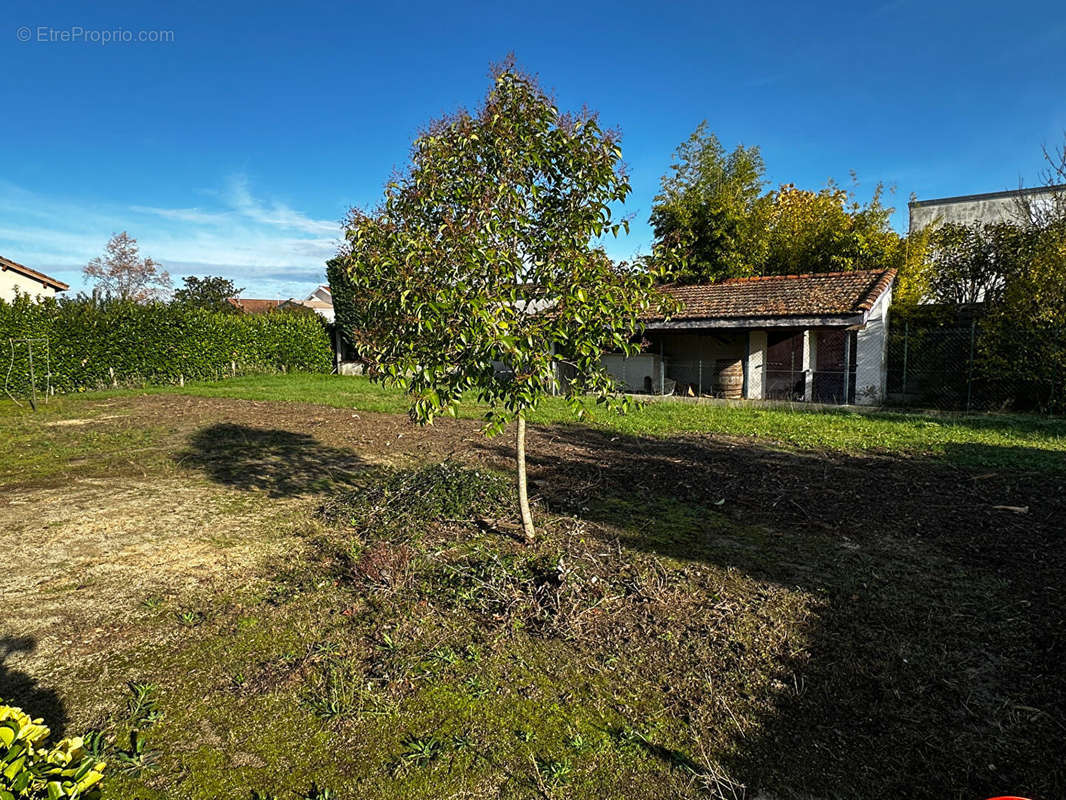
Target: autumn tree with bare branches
pixel 122 273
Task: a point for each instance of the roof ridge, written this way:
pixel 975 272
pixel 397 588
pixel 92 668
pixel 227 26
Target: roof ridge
pixel 798 275
pixel 32 273
pixel 877 289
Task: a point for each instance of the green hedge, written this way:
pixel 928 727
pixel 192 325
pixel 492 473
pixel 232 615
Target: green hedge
pixel 93 343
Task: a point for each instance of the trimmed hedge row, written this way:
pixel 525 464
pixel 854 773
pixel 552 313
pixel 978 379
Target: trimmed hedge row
pixel 94 344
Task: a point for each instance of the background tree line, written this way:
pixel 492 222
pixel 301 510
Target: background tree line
pixel 1009 277
pixel 122 273
pixel 714 219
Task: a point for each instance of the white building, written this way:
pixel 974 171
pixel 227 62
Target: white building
pixel 17 279
pixel 821 337
pixel 991 207
pixel 320 301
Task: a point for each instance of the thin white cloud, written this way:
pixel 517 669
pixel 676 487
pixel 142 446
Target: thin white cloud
pixel 193 215
pixel 257 239
pixel 276 214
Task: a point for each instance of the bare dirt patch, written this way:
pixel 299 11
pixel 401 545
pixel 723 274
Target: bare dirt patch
pixel 92 548
pixel 922 613
pixel 82 560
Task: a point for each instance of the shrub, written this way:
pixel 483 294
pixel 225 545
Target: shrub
pixel 29 769
pixel 96 343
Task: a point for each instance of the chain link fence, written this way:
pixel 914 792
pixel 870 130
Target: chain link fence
pixel 944 367
pixel 728 379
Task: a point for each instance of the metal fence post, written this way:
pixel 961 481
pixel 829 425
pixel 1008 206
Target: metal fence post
pixel 847 364
pixel 33 378
pixel 969 375
pixel 699 386
pixel 662 370
pixel 906 338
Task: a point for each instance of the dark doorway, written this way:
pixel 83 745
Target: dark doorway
pixel 785 378
pixel 832 361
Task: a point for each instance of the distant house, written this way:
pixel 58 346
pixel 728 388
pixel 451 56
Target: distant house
pixel 820 337
pixel 17 279
pixel 990 207
pixel 320 301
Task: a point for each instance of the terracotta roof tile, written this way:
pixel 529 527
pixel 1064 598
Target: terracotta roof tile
pixel 811 295
pixel 253 306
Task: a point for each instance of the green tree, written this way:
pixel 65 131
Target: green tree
pixel 479 272
pixel 1023 336
pixel 915 269
pixel 710 211
pixel 713 217
pixel 209 293
pixel 828 231
pixel 971 263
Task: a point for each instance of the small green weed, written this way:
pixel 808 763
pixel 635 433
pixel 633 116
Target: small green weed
pixel 191 618
pixel 138 756
pixel 142 706
pixel 553 773
pixel 421 751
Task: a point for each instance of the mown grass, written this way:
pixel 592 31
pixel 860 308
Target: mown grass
pixel 70 435
pixel 652 644
pixel 668 652
pixel 996 441
pixel 436 657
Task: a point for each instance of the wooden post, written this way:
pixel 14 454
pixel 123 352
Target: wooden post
pixel 33 378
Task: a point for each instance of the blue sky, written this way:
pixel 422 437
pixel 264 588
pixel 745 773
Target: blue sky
pixel 236 148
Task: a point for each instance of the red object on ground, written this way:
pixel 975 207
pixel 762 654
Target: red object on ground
pixel 1008 797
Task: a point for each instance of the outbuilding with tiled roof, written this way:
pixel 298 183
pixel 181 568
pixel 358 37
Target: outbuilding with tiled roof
pixel 816 337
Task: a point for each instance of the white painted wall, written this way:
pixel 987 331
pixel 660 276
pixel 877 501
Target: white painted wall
pixel 871 354
pixel 1002 207
pixel 10 281
pixel 810 362
pixel 633 373
pixel 756 366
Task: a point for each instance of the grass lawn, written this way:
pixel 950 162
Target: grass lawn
pixel 269 584
pixel 1022 442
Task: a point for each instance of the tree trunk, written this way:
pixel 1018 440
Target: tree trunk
pixel 523 493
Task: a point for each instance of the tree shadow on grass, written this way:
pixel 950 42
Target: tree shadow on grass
pixel 21 690
pixel 1019 459
pixel 1000 422
pixel 279 462
pixel 933 664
